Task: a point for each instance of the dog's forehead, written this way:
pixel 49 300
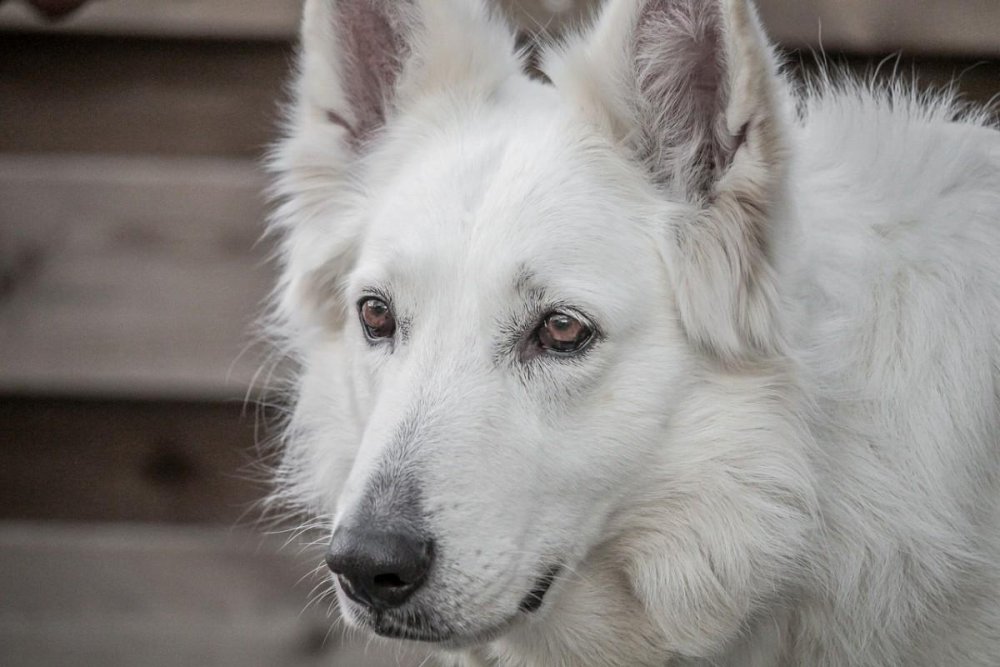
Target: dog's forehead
pixel 509 191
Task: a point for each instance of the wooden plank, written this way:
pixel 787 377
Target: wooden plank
pixel 230 19
pixel 940 27
pixel 165 97
pixel 130 276
pixel 96 595
pixel 99 460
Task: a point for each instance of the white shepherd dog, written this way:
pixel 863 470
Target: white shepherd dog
pixel 655 362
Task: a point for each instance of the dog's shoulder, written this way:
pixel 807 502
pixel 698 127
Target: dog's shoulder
pixel 897 152
pixel 896 190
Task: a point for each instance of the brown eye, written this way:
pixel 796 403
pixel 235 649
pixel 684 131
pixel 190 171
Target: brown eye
pixel 377 318
pixel 563 333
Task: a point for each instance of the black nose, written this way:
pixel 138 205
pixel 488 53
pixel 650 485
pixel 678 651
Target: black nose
pixel 376 568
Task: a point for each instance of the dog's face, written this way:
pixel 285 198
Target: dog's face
pixel 508 365
pixel 484 293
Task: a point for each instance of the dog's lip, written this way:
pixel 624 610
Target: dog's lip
pixel 385 624
pixel 533 600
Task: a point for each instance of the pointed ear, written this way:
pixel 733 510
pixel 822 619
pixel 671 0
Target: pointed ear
pixel 352 53
pixel 363 60
pixel 361 64
pixel 688 88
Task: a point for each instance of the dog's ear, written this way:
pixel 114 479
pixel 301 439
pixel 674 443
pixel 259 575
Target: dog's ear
pixel 363 60
pixel 689 88
pixel 361 63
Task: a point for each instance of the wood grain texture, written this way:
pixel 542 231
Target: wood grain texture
pixel 230 19
pixel 939 27
pixel 130 276
pixel 94 595
pixel 103 460
pixel 140 96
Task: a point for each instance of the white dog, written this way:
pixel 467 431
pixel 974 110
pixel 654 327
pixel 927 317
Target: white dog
pixel 655 362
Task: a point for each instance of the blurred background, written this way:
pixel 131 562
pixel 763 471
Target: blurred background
pixel 131 271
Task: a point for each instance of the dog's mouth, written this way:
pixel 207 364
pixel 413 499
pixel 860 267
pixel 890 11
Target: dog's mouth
pixel 533 600
pixel 432 630
pixel 386 625
pixel 416 626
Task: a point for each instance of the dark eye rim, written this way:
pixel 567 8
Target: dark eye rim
pixel 369 334
pixel 593 334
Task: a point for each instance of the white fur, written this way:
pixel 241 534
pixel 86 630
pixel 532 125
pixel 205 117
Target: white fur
pixel 785 448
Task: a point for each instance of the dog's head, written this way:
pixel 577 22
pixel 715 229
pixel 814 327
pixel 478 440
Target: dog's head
pixel 501 288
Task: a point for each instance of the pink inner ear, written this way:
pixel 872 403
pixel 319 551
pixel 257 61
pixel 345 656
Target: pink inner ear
pixel 681 73
pixel 373 49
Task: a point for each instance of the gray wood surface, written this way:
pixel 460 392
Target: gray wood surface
pixel 112 460
pixel 915 27
pixel 130 276
pixel 239 19
pixel 64 93
pixel 93 595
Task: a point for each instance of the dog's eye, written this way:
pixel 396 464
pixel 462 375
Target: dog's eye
pixel 563 333
pixel 377 318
